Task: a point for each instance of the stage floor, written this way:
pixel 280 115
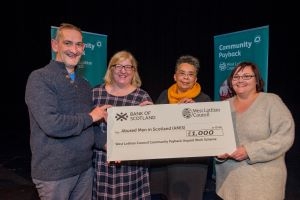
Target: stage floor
pixel 15 180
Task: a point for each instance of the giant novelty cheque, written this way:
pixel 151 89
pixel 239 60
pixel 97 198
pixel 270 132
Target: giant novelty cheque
pixel 169 131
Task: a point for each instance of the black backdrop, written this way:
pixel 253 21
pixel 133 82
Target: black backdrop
pixel 156 32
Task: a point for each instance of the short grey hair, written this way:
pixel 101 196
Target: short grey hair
pixel 188 59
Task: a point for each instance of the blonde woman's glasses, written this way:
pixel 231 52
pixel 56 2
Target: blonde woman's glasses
pixel 120 67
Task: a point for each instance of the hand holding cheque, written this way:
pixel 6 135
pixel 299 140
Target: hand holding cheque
pixel 169 131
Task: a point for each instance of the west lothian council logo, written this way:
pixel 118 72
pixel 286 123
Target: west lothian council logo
pixel 121 116
pixel 187 113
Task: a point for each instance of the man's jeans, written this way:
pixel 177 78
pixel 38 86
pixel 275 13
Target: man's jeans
pixel 78 187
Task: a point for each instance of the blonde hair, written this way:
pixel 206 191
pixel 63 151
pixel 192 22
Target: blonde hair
pixel 117 58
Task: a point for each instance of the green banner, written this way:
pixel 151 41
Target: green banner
pixel 92 65
pixel 230 49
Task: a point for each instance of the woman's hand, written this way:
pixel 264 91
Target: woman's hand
pixel 223 156
pixel 144 103
pixel 186 100
pixel 239 154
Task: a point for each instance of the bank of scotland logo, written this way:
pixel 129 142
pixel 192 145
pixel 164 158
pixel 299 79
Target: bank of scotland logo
pixel 187 113
pixel 121 116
